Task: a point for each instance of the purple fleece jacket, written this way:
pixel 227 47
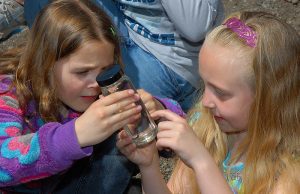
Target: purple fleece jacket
pixel 33 150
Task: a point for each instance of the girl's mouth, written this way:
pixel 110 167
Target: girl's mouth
pixel 90 98
pixel 217 118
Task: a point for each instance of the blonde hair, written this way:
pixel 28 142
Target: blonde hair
pixel 60 29
pixel 183 180
pixel 271 148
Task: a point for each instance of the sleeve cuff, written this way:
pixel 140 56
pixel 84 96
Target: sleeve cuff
pixel 65 140
pixel 172 105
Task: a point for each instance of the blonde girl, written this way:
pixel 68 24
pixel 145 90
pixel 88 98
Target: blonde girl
pixel 244 135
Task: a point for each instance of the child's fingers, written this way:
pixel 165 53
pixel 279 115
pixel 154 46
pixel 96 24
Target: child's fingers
pixel 126 146
pixel 173 126
pixel 167 126
pixel 167 115
pixel 123 139
pixel 148 100
pixel 120 115
pixel 118 121
pixel 145 96
pixel 122 106
pixel 165 143
pixel 151 106
pixel 130 149
pixel 106 110
pixel 122 134
pixel 170 134
pixel 129 106
pixel 117 96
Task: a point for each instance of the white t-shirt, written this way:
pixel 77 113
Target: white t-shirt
pixel 172 30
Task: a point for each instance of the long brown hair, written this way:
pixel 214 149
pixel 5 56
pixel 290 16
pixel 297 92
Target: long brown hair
pixel 60 29
pixel 272 144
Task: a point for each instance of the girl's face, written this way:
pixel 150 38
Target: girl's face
pixel 227 91
pixel 75 75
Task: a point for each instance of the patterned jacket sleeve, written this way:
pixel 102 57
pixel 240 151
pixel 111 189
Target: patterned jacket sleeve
pixel 172 105
pixel 26 156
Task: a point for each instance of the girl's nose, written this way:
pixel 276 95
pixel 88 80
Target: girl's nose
pixel 93 84
pixel 207 100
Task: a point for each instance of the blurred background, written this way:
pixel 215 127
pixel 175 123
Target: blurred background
pixel 288 10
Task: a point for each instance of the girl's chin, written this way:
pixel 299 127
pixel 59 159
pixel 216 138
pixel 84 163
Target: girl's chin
pixel 82 106
pixel 89 98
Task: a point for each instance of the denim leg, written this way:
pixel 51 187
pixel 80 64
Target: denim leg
pixel 106 171
pixel 187 94
pixel 32 8
pixel 147 72
pixel 111 8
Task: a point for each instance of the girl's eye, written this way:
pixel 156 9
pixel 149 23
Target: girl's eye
pixel 82 72
pixel 222 95
pixel 220 92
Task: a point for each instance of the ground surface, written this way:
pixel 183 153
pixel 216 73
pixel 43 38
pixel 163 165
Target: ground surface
pixel 285 9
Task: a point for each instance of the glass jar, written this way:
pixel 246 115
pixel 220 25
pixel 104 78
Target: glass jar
pixel 144 130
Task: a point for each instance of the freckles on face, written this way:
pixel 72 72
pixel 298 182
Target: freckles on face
pixel 75 75
pixel 227 93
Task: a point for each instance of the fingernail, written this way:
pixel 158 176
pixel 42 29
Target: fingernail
pixel 130 91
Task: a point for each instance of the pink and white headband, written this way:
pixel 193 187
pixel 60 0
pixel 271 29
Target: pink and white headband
pixel 242 30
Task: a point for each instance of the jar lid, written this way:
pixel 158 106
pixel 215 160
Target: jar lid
pixel 109 76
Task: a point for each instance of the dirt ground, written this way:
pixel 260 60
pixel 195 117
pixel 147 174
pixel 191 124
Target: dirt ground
pixel 288 11
pixel 284 9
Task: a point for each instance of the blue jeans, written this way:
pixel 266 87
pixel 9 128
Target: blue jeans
pixel 145 70
pixel 106 171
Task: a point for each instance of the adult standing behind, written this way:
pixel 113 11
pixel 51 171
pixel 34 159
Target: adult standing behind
pixel 162 39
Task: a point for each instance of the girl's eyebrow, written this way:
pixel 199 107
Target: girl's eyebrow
pixel 218 88
pixel 88 67
pixel 85 67
pixel 107 67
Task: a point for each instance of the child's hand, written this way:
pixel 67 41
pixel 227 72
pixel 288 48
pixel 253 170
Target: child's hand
pixel 105 116
pixel 142 156
pixel 150 102
pixel 175 133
